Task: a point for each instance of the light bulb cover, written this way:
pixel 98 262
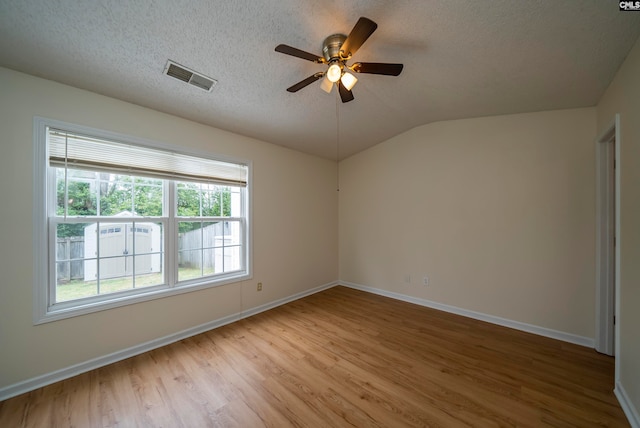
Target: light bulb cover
pixel 348 80
pixel 334 73
pixel 326 85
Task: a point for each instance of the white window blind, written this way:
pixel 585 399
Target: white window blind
pixel 68 150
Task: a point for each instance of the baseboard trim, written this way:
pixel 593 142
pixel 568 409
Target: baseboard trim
pixel 627 406
pixel 262 308
pixel 529 328
pixel 76 369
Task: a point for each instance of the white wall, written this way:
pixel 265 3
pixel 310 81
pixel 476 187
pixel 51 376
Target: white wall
pixel 623 96
pixel 497 211
pixel 294 230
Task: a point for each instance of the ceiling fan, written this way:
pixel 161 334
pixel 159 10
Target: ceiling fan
pixel 337 49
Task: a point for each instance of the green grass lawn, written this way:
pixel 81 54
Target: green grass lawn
pixel 78 289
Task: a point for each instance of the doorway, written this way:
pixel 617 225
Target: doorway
pixel 607 236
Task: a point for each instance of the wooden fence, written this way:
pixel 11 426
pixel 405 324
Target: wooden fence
pixel 68 249
pixel 209 237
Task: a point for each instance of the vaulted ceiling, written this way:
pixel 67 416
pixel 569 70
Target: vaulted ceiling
pixel 461 59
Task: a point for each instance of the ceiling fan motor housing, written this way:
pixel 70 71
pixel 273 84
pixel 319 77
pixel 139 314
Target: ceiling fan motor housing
pixel 331 47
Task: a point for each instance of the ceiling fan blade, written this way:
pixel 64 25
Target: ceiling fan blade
pixel 289 50
pixel 345 94
pixel 358 35
pixel 309 80
pixel 377 68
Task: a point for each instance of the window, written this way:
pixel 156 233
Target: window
pixel 121 220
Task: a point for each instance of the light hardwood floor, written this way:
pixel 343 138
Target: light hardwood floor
pixel 339 358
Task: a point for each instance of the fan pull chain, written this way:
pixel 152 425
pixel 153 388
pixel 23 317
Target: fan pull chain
pixel 337 142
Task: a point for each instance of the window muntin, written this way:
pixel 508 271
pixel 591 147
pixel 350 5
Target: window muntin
pixel 114 237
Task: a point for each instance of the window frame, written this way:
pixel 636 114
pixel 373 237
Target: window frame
pixel 44 309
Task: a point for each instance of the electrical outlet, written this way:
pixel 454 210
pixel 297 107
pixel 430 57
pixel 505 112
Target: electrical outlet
pixel 425 281
pixel 259 286
pixel 407 278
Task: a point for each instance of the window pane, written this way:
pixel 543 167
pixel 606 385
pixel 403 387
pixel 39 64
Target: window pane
pixel 232 233
pixel 116 274
pixel 148 270
pixel 148 238
pixel 208 200
pixel 72 279
pixel 189 265
pixel 235 202
pixel 232 259
pixel 200 249
pixel 148 197
pixel 223 201
pixel 190 236
pixel 188 200
pixel 218 259
pixel 115 194
pixel 148 251
pixel 210 265
pixel 210 204
pixel 81 193
pixel 211 234
pixel 115 244
pixel 116 240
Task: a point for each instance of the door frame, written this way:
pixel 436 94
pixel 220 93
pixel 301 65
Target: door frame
pixel 608 227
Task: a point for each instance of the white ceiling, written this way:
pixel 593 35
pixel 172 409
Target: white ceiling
pixel 462 59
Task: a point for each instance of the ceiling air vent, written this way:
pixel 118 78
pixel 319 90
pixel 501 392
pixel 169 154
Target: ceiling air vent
pixel 189 76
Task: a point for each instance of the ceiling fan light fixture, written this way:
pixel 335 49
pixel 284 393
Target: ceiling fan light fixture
pixel 326 85
pixel 337 50
pixel 348 80
pixel 334 72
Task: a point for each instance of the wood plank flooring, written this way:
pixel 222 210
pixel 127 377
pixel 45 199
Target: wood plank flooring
pixel 339 358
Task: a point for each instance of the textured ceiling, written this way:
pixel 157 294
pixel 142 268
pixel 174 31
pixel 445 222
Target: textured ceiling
pixel 462 59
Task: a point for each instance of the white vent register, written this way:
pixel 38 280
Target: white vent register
pixel 189 76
